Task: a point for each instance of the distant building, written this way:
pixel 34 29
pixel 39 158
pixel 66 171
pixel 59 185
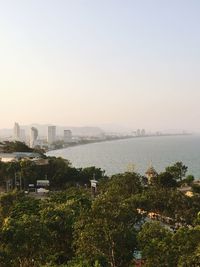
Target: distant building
pixel 43 186
pixel 143 132
pixel 16 132
pixel 33 137
pixel 8 157
pixel 138 133
pixel 16 156
pixel 67 136
pixel 43 183
pixel 51 135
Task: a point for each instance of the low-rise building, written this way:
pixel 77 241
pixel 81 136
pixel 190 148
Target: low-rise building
pixel 16 156
pixel 67 136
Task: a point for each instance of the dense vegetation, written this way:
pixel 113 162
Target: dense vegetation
pixel 72 228
pixel 17 146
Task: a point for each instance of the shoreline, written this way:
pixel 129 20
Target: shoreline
pixel 86 142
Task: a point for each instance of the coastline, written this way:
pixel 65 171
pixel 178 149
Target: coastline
pixel 109 139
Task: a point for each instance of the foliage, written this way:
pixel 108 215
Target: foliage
pixel 189 179
pixel 178 170
pixel 7 202
pixel 107 231
pixel 124 185
pixel 155 243
pixel 71 228
pixel 186 243
pixel 24 239
pixel 59 172
pixel 82 263
pixel 165 179
pixel 15 146
pixel 59 214
pixel 196 188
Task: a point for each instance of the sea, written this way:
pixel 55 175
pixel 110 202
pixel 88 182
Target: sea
pixel 136 154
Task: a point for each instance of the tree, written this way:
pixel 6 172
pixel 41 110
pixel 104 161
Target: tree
pixel 125 185
pixel 24 240
pixel 16 146
pixel 178 170
pixel 23 236
pixel 3 173
pixel 186 244
pixel 107 231
pixel 89 173
pixel 189 179
pixel 77 262
pixel 155 243
pixel 59 214
pixel 8 201
pixel 169 202
pixel 61 174
pixel 196 188
pixel 165 179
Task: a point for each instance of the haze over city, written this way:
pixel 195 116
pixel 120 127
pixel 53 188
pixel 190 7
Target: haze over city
pixel 128 63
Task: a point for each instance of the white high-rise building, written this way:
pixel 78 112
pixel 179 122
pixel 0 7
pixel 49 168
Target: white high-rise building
pixel 33 137
pixel 67 136
pixel 51 135
pixel 16 131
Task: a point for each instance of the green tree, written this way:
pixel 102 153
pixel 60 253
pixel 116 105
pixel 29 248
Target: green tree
pixel 165 179
pixel 8 201
pixel 107 231
pixel 196 188
pixel 155 243
pixel 186 244
pixel 178 170
pixel 169 203
pixel 82 263
pixel 125 185
pixel 24 240
pixel 59 214
pixel 61 174
pixel 15 146
pixel 90 173
pixel 189 179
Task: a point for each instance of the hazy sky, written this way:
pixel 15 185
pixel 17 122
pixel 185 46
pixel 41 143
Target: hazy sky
pixel 127 62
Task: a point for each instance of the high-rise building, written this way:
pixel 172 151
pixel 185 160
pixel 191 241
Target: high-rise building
pixel 67 136
pixel 16 131
pixel 143 132
pixel 51 135
pixel 33 136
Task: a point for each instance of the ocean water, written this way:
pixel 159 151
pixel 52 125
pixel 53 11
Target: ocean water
pixel 117 156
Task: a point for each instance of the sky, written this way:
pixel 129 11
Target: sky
pixel 133 63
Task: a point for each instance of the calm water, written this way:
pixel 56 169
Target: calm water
pixel 116 156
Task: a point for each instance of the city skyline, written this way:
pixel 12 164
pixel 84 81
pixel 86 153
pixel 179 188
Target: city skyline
pixel 93 63
pixel 106 128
